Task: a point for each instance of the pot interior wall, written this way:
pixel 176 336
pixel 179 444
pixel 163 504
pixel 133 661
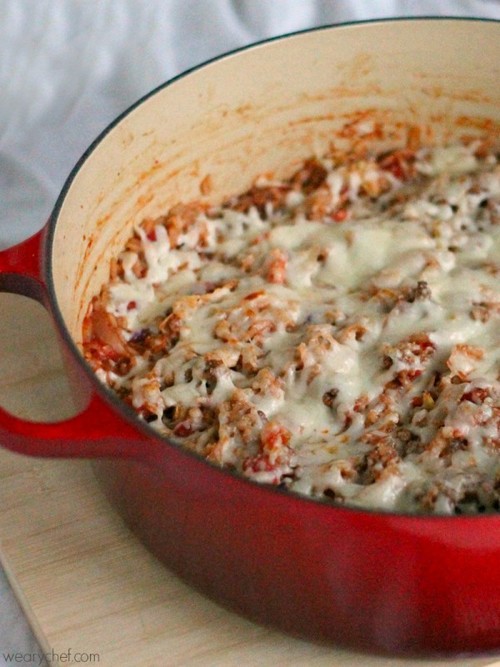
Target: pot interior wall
pixel 260 109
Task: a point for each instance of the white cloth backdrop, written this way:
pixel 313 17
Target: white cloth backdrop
pixel 68 67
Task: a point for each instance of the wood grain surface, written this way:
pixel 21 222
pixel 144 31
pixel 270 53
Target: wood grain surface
pixel 84 581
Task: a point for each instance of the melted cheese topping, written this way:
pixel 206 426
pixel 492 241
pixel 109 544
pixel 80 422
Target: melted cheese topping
pixel 336 334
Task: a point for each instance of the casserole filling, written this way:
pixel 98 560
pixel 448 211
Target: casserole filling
pixel 335 333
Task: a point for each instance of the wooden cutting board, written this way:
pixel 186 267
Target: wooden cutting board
pixel 84 581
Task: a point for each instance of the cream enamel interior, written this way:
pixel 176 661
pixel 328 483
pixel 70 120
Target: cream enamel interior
pixel 262 108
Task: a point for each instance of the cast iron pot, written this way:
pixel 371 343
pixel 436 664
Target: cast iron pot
pixel 370 580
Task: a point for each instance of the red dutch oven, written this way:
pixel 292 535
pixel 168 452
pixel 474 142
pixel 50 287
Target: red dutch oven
pixel 370 580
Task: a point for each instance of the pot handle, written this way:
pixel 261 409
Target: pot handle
pixel 95 432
